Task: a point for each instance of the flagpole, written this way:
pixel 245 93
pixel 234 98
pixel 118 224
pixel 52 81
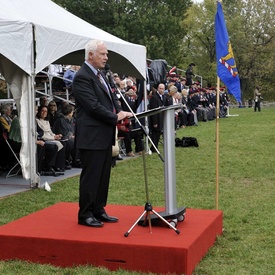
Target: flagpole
pixel 217 141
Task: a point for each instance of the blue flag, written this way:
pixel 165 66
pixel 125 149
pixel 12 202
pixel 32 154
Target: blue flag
pixel 226 66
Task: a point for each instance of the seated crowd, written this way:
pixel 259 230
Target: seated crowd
pixel 55 137
pixel 56 123
pixel 55 127
pixel 196 104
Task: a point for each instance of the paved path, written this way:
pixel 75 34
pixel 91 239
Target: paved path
pixel 16 184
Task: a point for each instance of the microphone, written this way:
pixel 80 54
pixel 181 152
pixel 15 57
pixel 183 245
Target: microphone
pixel 107 68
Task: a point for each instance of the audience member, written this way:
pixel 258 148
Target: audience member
pixel 46 153
pixel 5 118
pixel 129 83
pixel 189 114
pixel 65 125
pixel 46 134
pixel 171 99
pixel 189 74
pixel 43 101
pixel 156 121
pixel 257 99
pixel 53 112
pixel 121 90
pixel 130 97
pixel 69 76
pixel 117 80
pixel 125 131
pixel 223 103
pixel 197 104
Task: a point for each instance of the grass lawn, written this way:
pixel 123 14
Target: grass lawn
pixel 246 194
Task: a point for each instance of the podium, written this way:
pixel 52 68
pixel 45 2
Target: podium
pixel 172 212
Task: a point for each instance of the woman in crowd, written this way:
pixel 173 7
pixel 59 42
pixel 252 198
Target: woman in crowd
pixel 46 134
pixel 65 125
pixel 125 130
pixel 53 112
pixel 5 117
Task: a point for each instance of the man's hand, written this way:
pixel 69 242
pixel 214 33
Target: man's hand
pixel 121 115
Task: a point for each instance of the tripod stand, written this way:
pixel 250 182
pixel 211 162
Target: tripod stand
pixel 172 212
pixel 148 208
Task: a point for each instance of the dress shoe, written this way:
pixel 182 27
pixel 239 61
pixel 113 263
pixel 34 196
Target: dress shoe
pixel 93 222
pixel 49 172
pixel 130 154
pixel 59 170
pixel 105 218
pixel 119 157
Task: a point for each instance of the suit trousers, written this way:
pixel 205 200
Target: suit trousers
pixel 94 181
pixel 155 136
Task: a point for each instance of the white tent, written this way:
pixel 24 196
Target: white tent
pixel 34 34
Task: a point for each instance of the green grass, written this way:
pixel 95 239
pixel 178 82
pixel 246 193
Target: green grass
pixel 246 194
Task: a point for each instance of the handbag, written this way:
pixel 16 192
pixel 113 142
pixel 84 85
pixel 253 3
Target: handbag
pixel 186 142
pixel 115 148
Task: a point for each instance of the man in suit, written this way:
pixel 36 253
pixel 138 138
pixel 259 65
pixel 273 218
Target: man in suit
pixel 156 121
pixel 97 113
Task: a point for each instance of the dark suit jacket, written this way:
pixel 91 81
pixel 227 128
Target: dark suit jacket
pixel 95 119
pixel 156 102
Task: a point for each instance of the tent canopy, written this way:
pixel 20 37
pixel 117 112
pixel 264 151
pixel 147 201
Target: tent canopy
pixel 60 37
pixel 35 34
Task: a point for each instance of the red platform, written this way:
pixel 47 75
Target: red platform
pixel 53 236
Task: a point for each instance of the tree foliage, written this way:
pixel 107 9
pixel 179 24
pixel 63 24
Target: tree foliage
pixel 181 33
pixel 153 23
pixel 251 28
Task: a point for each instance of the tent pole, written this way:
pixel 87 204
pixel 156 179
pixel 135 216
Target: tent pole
pixel 34 177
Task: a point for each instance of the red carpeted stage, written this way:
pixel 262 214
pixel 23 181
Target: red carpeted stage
pixel 53 236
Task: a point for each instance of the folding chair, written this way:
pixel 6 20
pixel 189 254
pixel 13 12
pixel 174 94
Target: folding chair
pixel 17 166
pixel 121 145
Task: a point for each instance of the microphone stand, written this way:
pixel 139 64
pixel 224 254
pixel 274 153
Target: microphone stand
pixel 148 208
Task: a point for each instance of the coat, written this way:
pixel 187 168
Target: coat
pixel 95 118
pixel 156 102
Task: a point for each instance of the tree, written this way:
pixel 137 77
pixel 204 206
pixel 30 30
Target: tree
pixel 153 23
pixel 251 28
pixel 198 45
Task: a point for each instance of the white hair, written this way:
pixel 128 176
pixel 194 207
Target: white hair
pixel 130 81
pixel 5 107
pixel 91 46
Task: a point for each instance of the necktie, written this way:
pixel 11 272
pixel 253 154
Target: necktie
pixel 105 88
pixel 99 77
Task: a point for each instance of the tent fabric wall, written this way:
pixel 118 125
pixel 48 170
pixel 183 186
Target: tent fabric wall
pixel 21 87
pixel 44 30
